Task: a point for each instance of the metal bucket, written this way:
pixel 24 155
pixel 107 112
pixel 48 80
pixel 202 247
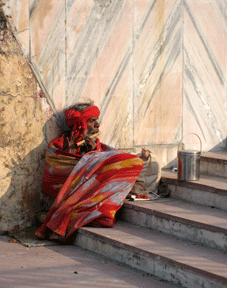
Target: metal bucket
pixel 188 165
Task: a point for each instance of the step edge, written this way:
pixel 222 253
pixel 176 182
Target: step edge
pixel 145 253
pixel 214 157
pixel 193 184
pixel 168 216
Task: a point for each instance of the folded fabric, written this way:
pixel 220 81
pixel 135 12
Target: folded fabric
pixel 93 192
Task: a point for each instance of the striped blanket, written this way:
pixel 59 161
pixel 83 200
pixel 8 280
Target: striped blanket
pixel 92 194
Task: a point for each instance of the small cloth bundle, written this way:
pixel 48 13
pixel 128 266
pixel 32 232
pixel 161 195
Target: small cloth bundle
pixel 146 185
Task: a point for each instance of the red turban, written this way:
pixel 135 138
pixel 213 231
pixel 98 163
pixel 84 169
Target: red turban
pixel 78 120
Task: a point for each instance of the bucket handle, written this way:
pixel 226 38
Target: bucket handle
pixel 193 134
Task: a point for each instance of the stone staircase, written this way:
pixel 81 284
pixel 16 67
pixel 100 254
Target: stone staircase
pixel 181 239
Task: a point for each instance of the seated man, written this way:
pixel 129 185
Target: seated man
pixel 63 153
pixel 89 183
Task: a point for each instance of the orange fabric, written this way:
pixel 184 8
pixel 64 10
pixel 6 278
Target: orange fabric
pixel 59 164
pixel 93 193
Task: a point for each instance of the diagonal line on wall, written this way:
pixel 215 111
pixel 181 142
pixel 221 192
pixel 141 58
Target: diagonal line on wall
pixel 50 51
pixel 171 24
pixel 170 60
pixel 95 45
pixel 109 94
pixel 195 115
pixel 205 45
pixel 210 113
pixel 53 37
pixel 222 6
pixel 43 88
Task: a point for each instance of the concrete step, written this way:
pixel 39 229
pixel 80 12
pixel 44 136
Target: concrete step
pixel 214 163
pixel 208 190
pixel 67 266
pixel 204 225
pixel 169 258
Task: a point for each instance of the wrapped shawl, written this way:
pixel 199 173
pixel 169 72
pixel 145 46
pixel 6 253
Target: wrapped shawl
pixel 88 189
pixel 93 193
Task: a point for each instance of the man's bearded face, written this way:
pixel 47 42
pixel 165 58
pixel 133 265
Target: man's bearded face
pixel 92 126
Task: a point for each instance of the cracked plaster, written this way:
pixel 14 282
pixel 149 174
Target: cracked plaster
pixel 27 124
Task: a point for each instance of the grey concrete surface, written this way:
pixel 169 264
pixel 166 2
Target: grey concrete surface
pixel 65 266
pixel 176 260
pixel 189 221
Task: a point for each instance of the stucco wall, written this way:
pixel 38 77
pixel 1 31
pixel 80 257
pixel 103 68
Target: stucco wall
pixel 27 125
pixel 156 68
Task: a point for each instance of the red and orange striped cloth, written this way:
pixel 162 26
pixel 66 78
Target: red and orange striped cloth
pixel 91 191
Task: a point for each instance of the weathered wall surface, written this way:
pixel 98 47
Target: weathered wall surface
pixel 26 125
pixel 156 68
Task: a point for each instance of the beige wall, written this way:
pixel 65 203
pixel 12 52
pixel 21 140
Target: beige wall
pixel 156 69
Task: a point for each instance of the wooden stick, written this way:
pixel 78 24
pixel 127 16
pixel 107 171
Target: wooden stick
pixel 147 149
pixel 92 136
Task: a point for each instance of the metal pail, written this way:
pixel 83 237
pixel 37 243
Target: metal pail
pixel 188 165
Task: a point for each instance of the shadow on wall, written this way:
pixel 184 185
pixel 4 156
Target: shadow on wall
pixel 21 201
pixel 222 146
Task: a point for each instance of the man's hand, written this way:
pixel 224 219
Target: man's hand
pixel 90 143
pixel 72 148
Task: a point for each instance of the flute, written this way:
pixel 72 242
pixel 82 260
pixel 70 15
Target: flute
pixel 92 136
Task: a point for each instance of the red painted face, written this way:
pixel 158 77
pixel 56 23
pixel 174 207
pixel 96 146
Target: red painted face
pixel 93 125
